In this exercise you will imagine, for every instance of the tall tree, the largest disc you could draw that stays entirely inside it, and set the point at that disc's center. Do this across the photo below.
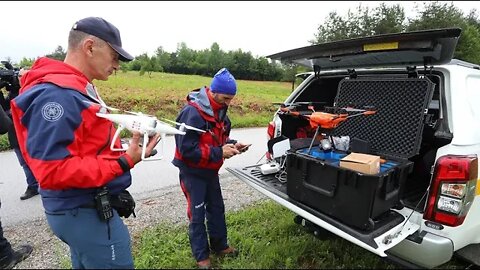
(388, 19)
(58, 54)
(434, 15)
(472, 19)
(215, 59)
(149, 65)
(185, 58)
(26, 62)
(164, 59)
(361, 22)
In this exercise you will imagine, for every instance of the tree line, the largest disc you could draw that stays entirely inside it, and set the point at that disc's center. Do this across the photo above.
(359, 22)
(385, 19)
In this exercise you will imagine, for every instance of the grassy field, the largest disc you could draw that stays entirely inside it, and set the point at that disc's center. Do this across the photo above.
(163, 95)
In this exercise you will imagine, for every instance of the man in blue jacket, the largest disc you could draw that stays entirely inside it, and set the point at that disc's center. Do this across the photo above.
(199, 157)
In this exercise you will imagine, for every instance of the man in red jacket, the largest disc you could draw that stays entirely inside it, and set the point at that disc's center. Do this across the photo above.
(66, 145)
(199, 156)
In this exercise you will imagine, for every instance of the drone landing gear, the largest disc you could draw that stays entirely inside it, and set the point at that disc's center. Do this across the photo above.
(326, 144)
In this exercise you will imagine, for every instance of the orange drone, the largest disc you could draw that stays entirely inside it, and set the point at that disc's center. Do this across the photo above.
(326, 120)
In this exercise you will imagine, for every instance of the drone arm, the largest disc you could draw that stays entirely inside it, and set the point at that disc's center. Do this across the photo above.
(290, 112)
(366, 113)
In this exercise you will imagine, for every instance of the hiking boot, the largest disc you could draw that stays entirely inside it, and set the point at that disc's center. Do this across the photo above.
(205, 264)
(228, 252)
(20, 254)
(29, 193)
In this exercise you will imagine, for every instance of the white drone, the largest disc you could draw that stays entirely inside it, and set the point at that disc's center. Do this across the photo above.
(149, 125)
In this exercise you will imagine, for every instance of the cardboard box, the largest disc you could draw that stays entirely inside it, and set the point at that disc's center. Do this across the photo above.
(368, 164)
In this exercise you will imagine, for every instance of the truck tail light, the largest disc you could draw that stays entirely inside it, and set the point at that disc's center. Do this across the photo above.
(270, 134)
(452, 189)
(270, 130)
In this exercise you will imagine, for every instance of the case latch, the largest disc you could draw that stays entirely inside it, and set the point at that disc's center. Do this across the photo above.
(352, 74)
(412, 72)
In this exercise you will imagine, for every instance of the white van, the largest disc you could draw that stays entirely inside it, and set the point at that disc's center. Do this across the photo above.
(422, 206)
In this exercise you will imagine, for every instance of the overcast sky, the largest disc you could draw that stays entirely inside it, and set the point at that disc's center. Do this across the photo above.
(31, 29)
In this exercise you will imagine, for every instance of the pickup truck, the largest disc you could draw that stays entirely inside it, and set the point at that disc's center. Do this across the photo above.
(423, 209)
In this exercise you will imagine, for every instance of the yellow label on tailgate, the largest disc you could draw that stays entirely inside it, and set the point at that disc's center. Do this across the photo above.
(380, 46)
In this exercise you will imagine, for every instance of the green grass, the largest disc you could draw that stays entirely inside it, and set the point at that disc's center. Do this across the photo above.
(4, 144)
(267, 238)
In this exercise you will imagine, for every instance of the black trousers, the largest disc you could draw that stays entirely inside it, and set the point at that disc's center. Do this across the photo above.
(5, 247)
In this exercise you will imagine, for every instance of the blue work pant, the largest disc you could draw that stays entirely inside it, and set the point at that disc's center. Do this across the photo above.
(31, 180)
(93, 243)
(204, 200)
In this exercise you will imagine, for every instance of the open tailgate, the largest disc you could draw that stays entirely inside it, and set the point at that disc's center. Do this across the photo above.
(386, 235)
(428, 47)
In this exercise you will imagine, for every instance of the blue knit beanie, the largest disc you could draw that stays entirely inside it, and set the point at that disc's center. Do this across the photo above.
(223, 83)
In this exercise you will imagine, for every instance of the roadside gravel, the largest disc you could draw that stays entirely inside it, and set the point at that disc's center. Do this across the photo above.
(167, 204)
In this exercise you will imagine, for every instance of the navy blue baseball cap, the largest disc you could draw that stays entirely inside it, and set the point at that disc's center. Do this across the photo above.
(104, 30)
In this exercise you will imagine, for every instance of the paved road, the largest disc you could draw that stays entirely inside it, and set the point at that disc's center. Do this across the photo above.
(147, 176)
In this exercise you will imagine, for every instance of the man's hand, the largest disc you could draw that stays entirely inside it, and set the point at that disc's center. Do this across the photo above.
(229, 150)
(241, 147)
(135, 150)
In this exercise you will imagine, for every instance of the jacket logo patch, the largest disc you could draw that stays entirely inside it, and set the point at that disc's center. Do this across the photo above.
(52, 111)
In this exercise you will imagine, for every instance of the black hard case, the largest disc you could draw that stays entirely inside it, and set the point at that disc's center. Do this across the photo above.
(356, 199)
(394, 132)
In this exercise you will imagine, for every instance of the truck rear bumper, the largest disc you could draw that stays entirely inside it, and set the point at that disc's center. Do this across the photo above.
(425, 250)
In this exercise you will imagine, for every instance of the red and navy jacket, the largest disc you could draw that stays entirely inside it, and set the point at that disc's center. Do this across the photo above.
(65, 144)
(202, 152)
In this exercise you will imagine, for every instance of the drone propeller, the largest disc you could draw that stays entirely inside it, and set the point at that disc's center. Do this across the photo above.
(365, 109)
(183, 126)
(350, 109)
